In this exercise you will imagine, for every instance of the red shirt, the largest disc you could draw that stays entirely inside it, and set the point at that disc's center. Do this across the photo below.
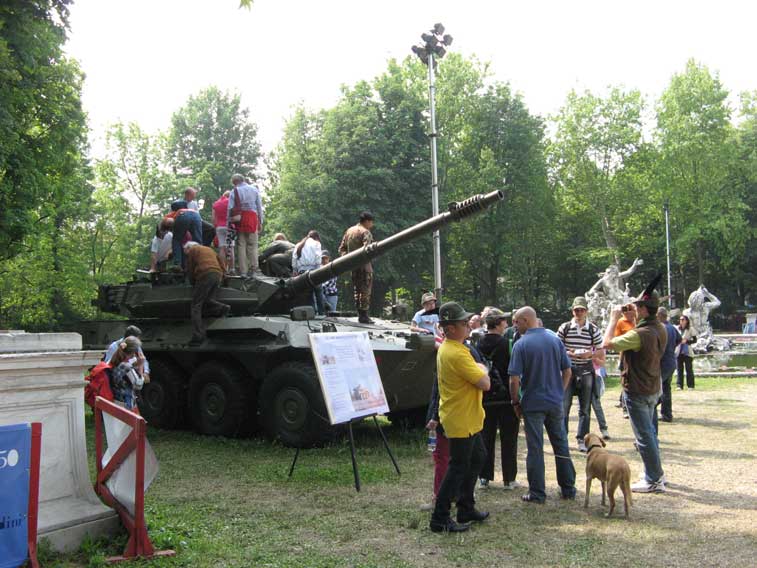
(221, 209)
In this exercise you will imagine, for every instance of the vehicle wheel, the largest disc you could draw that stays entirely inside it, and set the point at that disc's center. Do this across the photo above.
(218, 400)
(163, 401)
(292, 406)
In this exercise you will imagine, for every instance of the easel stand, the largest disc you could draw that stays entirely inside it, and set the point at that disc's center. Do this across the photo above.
(355, 471)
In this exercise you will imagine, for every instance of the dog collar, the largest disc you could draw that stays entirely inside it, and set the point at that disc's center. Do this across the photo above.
(592, 447)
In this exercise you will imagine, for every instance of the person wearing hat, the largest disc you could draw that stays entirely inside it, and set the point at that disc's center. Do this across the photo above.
(330, 288)
(462, 383)
(355, 238)
(642, 348)
(499, 413)
(426, 319)
(130, 331)
(583, 340)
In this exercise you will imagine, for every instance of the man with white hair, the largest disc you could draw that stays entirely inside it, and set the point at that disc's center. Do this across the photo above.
(249, 225)
(205, 271)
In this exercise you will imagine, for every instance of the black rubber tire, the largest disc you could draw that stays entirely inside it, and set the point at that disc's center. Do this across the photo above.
(218, 400)
(163, 401)
(292, 407)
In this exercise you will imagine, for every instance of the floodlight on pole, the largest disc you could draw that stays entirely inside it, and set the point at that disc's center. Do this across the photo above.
(433, 47)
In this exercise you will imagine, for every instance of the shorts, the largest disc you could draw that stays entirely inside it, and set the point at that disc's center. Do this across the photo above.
(222, 233)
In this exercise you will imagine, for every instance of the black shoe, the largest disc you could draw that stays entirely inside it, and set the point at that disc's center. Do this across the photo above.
(448, 526)
(363, 317)
(197, 339)
(472, 516)
(568, 497)
(666, 418)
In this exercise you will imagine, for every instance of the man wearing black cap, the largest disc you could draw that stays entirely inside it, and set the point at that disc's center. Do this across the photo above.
(642, 349)
(462, 382)
(355, 238)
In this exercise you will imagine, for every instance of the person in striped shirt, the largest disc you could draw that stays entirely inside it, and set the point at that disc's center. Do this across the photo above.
(583, 340)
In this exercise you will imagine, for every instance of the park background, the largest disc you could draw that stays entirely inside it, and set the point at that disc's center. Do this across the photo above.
(585, 185)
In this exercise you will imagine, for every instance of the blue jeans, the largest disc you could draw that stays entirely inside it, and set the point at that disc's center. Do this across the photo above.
(535, 423)
(582, 382)
(187, 221)
(642, 412)
(331, 302)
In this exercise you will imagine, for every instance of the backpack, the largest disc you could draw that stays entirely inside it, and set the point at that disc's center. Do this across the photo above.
(499, 386)
(98, 384)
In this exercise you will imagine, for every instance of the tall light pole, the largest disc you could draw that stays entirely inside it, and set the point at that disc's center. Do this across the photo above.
(434, 47)
(666, 206)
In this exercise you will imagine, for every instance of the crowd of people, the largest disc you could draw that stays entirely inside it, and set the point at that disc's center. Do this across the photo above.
(207, 252)
(491, 377)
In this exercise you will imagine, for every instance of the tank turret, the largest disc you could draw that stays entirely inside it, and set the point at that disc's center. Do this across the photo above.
(168, 295)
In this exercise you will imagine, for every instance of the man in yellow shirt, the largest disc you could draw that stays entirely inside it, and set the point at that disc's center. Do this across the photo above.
(461, 385)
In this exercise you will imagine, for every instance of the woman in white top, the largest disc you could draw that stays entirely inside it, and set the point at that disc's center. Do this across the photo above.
(307, 256)
(160, 248)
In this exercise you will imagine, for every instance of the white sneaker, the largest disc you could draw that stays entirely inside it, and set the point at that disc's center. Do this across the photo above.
(643, 486)
(605, 434)
(512, 485)
(483, 483)
(427, 506)
(582, 447)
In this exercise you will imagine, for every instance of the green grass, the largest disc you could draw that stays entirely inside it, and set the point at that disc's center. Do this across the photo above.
(221, 502)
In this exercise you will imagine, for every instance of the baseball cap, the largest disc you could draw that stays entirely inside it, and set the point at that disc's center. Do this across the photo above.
(452, 311)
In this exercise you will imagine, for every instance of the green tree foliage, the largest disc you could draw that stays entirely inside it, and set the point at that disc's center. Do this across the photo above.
(372, 151)
(697, 156)
(595, 137)
(42, 126)
(211, 138)
(44, 188)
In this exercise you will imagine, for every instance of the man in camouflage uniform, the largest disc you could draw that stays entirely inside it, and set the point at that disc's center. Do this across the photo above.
(355, 238)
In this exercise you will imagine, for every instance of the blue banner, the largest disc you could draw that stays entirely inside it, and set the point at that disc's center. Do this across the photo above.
(15, 463)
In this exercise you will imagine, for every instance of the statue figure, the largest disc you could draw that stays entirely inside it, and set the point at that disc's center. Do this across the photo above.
(701, 303)
(611, 289)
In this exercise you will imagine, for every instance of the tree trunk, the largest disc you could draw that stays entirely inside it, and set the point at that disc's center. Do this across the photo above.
(700, 262)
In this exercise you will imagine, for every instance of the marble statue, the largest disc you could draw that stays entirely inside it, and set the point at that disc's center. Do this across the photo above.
(610, 290)
(701, 303)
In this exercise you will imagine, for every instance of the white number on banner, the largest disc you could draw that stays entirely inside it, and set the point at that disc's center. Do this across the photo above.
(8, 458)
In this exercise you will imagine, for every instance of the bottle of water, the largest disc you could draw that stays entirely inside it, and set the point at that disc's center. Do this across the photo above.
(432, 440)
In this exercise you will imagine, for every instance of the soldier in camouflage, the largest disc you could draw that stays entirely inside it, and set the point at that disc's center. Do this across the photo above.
(355, 238)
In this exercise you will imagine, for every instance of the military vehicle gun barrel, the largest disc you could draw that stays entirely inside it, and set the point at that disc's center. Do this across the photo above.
(351, 261)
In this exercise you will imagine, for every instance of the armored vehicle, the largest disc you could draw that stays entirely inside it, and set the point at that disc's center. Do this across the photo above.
(255, 368)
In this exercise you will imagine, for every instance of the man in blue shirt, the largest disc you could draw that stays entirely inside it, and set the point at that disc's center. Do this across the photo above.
(539, 373)
(668, 365)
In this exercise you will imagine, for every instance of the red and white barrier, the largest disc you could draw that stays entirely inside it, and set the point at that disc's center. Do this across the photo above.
(132, 516)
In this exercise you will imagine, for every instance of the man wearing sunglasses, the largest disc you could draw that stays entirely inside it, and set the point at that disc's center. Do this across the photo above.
(582, 340)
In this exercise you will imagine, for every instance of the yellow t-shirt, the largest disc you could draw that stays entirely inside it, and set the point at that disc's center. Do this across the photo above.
(460, 409)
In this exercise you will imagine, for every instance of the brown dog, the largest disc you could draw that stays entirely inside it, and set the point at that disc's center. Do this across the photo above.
(612, 471)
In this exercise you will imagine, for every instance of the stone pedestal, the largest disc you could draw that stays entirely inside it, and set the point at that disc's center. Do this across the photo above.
(41, 380)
